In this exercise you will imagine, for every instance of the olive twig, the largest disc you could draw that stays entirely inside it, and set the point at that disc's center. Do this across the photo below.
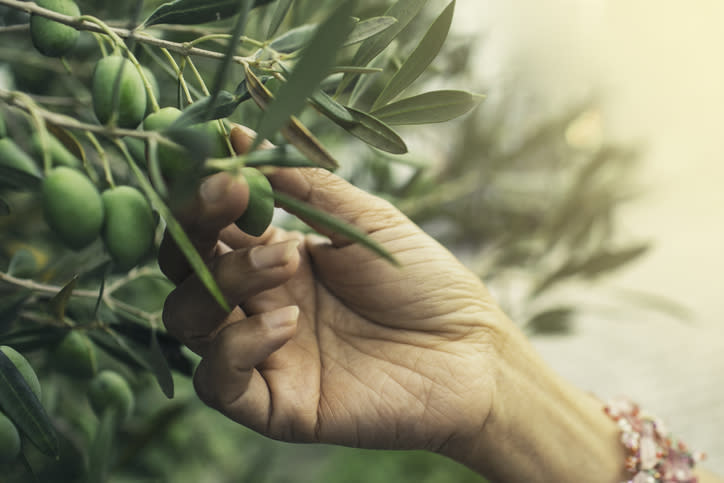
(179, 74)
(82, 24)
(104, 159)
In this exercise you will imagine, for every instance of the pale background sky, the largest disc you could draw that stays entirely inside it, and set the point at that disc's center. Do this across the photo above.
(660, 66)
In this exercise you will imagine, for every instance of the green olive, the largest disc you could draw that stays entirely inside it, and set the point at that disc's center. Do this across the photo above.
(109, 390)
(58, 152)
(9, 440)
(129, 225)
(72, 207)
(260, 210)
(131, 96)
(52, 38)
(12, 156)
(24, 367)
(76, 355)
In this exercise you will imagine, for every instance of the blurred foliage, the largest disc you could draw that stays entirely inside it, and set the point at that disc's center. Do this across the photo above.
(530, 206)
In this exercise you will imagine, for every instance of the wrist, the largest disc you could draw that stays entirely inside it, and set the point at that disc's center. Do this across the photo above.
(541, 428)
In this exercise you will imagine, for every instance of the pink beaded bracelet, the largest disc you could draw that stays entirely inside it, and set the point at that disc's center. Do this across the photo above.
(654, 456)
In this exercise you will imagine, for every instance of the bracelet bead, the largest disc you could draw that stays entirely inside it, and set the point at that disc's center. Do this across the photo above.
(654, 455)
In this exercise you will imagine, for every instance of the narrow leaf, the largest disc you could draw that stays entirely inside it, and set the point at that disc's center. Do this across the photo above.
(294, 39)
(280, 13)
(331, 108)
(4, 207)
(420, 58)
(286, 156)
(194, 12)
(19, 403)
(552, 321)
(404, 11)
(10, 306)
(313, 66)
(294, 131)
(159, 367)
(178, 234)
(202, 110)
(375, 132)
(431, 107)
(316, 217)
(99, 453)
(60, 301)
(368, 28)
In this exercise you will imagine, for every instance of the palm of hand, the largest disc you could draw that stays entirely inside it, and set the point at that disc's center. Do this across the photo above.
(377, 365)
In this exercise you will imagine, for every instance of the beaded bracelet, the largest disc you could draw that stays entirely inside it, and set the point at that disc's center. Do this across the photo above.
(654, 456)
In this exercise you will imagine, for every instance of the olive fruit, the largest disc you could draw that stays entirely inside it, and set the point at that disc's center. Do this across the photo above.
(129, 225)
(9, 440)
(52, 38)
(72, 206)
(260, 209)
(24, 367)
(75, 355)
(109, 390)
(13, 157)
(58, 152)
(131, 97)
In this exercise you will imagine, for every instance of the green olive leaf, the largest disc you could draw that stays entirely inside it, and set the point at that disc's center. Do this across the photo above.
(427, 108)
(208, 109)
(99, 453)
(29, 340)
(551, 321)
(194, 12)
(404, 11)
(280, 13)
(294, 39)
(311, 69)
(420, 59)
(331, 108)
(159, 366)
(313, 216)
(59, 302)
(4, 207)
(10, 305)
(283, 156)
(368, 28)
(294, 131)
(374, 132)
(19, 403)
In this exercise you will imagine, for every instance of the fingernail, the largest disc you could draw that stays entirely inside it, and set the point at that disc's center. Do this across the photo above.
(268, 256)
(281, 318)
(214, 188)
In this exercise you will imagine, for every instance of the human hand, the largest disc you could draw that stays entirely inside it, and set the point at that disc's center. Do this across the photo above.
(327, 342)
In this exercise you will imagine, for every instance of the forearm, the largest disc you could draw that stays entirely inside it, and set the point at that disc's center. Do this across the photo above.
(544, 429)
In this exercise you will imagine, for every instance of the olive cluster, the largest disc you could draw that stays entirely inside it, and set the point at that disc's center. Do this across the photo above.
(74, 207)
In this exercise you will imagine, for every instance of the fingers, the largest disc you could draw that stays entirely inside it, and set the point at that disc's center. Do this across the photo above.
(226, 379)
(327, 192)
(219, 202)
(192, 315)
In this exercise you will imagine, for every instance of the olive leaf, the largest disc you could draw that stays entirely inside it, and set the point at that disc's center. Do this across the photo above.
(404, 11)
(99, 454)
(10, 306)
(420, 59)
(294, 39)
(316, 60)
(294, 131)
(374, 132)
(285, 155)
(311, 215)
(331, 108)
(280, 13)
(208, 109)
(19, 403)
(59, 302)
(159, 366)
(551, 321)
(4, 207)
(33, 339)
(368, 28)
(194, 12)
(430, 107)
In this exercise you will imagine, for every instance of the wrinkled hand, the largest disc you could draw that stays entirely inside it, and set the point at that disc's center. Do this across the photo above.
(328, 342)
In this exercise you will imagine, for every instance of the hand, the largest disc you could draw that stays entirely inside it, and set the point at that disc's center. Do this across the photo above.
(327, 342)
